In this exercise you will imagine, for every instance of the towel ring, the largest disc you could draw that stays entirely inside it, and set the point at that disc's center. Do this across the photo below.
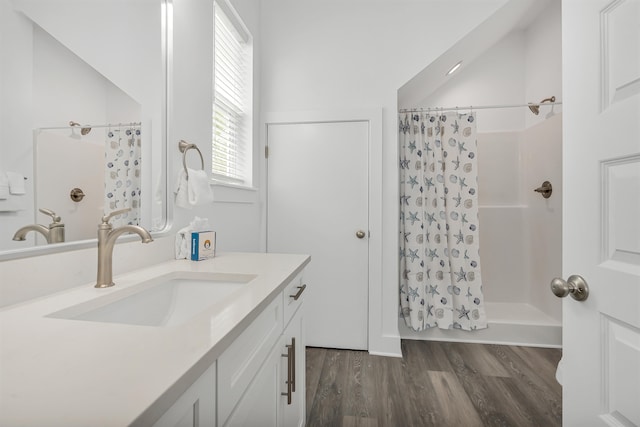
(184, 146)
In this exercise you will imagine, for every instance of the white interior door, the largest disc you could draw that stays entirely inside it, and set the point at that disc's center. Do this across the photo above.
(317, 202)
(601, 212)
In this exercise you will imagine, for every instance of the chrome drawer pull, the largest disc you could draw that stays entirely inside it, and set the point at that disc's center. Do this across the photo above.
(300, 291)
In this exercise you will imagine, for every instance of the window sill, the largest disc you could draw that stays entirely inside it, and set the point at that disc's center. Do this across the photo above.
(224, 192)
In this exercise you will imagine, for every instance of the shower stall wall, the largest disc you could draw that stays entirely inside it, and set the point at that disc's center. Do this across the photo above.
(520, 238)
(520, 231)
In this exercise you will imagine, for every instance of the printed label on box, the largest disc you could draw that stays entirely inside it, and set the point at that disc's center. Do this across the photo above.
(203, 245)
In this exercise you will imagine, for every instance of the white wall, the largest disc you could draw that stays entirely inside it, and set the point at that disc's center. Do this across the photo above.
(543, 61)
(520, 233)
(541, 160)
(502, 219)
(67, 88)
(16, 93)
(336, 55)
(541, 155)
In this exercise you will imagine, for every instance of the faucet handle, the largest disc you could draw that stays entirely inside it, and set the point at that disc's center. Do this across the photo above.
(107, 218)
(51, 213)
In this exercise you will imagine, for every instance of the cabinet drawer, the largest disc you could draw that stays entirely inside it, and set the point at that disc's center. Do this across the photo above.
(293, 295)
(242, 360)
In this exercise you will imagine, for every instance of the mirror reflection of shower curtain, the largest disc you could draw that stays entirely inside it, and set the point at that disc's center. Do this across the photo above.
(440, 281)
(122, 173)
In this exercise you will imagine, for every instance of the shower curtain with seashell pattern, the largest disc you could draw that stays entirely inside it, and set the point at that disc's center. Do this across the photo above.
(440, 281)
(122, 179)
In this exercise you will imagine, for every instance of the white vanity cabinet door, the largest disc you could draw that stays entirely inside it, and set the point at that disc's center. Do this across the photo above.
(196, 407)
(265, 402)
(241, 361)
(259, 405)
(294, 414)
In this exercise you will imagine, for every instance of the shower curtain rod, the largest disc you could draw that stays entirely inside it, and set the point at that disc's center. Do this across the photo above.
(92, 126)
(470, 107)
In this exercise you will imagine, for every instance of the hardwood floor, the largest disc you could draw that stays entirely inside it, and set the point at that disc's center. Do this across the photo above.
(434, 384)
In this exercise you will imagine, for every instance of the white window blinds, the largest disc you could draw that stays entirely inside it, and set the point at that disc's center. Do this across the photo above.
(229, 149)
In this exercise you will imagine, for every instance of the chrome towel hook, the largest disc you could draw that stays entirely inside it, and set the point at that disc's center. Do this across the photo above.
(184, 146)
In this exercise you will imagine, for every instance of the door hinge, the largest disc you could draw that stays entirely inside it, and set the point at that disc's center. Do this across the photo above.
(266, 152)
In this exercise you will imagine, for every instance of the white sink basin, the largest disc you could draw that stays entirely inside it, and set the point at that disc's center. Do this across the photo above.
(164, 301)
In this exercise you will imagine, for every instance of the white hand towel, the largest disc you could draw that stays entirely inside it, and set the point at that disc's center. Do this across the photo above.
(182, 192)
(16, 183)
(200, 192)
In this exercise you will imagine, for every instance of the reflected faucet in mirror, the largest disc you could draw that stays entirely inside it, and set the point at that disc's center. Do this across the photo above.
(54, 233)
(107, 236)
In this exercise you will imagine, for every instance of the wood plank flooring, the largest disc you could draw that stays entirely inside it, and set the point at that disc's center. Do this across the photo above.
(434, 384)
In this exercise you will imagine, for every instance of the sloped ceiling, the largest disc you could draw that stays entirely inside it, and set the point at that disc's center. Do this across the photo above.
(514, 15)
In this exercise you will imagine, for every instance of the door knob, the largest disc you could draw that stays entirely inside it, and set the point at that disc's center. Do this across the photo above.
(360, 234)
(575, 285)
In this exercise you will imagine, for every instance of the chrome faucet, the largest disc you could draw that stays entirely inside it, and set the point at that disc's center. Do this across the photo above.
(107, 236)
(54, 233)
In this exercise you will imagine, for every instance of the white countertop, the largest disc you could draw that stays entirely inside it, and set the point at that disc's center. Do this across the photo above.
(58, 372)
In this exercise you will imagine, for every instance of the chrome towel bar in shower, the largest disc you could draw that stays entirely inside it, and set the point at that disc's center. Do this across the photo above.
(184, 146)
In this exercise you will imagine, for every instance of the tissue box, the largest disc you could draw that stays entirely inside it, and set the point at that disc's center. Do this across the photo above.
(203, 245)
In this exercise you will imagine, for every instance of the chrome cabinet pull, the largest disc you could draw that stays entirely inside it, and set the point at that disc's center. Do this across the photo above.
(289, 381)
(300, 291)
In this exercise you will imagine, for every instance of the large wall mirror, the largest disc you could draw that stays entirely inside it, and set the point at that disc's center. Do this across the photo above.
(83, 119)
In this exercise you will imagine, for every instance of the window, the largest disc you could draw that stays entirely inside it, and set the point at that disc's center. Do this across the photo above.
(232, 100)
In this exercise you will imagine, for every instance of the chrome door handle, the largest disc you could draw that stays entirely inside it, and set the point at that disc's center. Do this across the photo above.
(574, 285)
(360, 234)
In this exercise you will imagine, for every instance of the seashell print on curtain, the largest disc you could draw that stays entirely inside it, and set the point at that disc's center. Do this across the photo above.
(440, 281)
(122, 173)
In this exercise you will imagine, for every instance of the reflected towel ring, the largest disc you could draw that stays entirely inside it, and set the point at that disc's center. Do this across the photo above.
(184, 146)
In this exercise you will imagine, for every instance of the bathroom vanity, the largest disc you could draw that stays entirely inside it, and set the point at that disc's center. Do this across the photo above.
(216, 342)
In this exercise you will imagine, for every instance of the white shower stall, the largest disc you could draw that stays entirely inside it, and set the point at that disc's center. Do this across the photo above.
(520, 231)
